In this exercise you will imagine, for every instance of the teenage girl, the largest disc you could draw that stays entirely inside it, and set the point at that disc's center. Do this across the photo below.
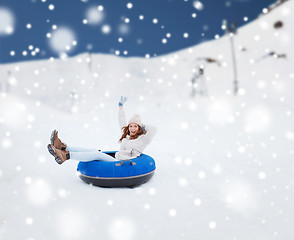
(135, 137)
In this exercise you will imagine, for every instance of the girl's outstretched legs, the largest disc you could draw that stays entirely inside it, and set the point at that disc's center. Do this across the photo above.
(80, 149)
(86, 155)
(63, 152)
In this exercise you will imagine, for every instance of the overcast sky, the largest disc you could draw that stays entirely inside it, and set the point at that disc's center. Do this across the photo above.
(40, 29)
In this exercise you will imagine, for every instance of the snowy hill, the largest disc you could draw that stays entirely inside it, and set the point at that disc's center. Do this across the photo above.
(224, 163)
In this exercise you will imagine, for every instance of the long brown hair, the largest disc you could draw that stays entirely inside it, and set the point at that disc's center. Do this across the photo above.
(127, 132)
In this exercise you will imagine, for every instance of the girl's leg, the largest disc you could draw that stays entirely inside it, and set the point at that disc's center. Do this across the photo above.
(80, 149)
(91, 156)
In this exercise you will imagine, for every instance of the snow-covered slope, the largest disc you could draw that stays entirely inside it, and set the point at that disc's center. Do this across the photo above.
(224, 162)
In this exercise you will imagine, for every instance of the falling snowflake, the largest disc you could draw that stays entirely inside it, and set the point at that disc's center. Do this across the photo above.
(106, 29)
(94, 17)
(61, 39)
(172, 212)
(7, 21)
(129, 5)
(51, 7)
(198, 5)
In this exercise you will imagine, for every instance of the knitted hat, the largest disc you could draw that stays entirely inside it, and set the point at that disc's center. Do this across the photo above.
(136, 119)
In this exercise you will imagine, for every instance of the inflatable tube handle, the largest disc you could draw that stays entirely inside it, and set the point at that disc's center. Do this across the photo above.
(122, 162)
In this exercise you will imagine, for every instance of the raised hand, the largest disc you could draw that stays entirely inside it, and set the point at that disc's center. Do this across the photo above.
(122, 101)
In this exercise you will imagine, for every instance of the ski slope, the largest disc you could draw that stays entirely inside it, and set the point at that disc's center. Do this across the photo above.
(224, 163)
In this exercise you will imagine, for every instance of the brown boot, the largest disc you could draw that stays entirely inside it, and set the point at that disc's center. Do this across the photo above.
(60, 155)
(56, 142)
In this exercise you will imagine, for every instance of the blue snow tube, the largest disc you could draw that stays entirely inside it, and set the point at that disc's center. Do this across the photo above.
(118, 173)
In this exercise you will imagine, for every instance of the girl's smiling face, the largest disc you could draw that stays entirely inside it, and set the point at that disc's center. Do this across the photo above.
(133, 128)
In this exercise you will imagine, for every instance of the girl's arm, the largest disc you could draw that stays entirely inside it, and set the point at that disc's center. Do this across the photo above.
(121, 113)
(150, 133)
(121, 118)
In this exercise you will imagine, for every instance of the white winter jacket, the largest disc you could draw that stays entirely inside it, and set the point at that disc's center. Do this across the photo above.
(133, 148)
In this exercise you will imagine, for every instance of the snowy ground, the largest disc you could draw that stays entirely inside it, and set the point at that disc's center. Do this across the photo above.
(224, 163)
